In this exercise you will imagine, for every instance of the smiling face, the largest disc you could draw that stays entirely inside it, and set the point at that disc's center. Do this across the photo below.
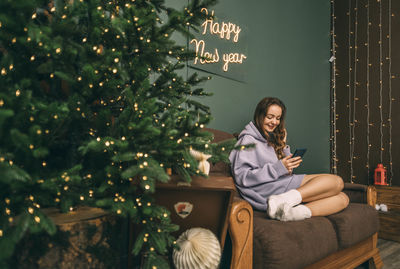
(273, 118)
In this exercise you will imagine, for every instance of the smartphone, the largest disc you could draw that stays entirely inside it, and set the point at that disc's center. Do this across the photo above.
(299, 153)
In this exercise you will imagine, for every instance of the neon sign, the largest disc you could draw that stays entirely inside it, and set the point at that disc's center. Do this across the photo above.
(226, 31)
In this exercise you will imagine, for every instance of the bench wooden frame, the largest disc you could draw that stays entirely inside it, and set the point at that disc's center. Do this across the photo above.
(241, 232)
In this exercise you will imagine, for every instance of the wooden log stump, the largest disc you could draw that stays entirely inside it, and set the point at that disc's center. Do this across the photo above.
(86, 238)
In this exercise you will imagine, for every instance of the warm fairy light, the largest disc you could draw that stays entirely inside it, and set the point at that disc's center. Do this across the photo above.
(31, 146)
(116, 60)
(51, 75)
(147, 187)
(114, 70)
(30, 210)
(44, 164)
(17, 93)
(64, 16)
(37, 219)
(34, 16)
(32, 58)
(58, 50)
(3, 71)
(82, 198)
(84, 39)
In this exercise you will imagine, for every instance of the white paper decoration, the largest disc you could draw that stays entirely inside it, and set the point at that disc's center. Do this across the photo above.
(204, 165)
(199, 249)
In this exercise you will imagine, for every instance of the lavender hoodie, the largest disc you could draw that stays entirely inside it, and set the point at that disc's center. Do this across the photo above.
(257, 171)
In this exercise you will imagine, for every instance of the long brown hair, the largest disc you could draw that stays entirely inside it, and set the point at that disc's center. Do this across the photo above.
(279, 133)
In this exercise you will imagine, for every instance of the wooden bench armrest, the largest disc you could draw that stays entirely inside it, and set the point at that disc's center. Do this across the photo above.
(241, 232)
(371, 195)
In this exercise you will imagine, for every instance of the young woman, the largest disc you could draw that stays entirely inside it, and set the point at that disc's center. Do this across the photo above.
(264, 174)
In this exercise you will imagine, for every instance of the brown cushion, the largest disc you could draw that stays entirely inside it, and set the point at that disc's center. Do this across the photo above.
(219, 135)
(357, 193)
(220, 167)
(355, 223)
(294, 244)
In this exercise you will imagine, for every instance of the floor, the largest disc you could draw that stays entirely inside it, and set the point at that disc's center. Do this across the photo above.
(390, 253)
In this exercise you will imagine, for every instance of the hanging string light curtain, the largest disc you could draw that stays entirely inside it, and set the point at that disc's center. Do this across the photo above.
(362, 83)
(333, 92)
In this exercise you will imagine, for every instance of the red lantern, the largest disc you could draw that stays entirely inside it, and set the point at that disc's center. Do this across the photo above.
(380, 176)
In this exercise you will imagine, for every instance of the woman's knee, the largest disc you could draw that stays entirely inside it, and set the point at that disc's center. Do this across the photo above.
(338, 182)
(344, 199)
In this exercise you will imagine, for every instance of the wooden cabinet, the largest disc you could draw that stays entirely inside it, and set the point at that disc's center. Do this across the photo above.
(203, 203)
(389, 228)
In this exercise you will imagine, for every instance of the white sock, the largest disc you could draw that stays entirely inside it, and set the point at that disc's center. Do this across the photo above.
(299, 212)
(292, 198)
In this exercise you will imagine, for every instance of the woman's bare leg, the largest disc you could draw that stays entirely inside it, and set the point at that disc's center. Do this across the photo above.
(320, 186)
(329, 205)
(321, 196)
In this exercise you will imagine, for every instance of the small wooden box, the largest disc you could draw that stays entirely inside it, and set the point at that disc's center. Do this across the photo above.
(389, 227)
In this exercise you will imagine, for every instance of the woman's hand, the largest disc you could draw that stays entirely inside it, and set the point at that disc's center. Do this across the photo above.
(291, 163)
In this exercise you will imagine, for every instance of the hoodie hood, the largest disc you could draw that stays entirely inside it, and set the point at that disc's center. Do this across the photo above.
(252, 130)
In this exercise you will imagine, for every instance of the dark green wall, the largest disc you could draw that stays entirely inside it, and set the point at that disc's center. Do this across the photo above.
(288, 51)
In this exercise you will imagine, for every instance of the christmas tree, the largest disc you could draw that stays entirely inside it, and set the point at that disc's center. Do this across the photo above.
(93, 112)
